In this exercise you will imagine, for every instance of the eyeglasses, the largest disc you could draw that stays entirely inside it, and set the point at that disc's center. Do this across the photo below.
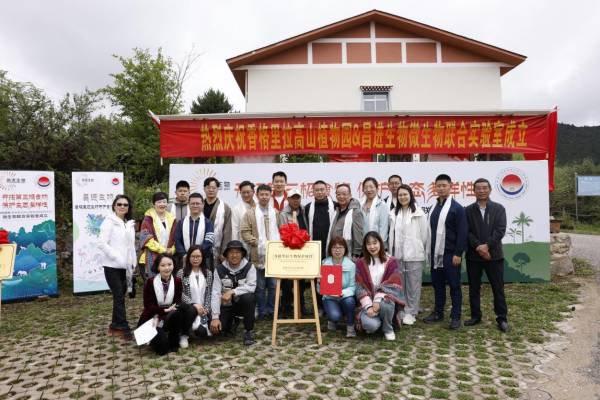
(338, 248)
(122, 205)
(195, 256)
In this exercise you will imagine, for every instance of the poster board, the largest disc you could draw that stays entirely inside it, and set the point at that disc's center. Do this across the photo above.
(27, 213)
(93, 194)
(283, 262)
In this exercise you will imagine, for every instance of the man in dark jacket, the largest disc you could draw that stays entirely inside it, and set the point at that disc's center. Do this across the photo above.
(487, 226)
(448, 240)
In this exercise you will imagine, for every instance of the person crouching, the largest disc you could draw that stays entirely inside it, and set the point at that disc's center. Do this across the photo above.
(234, 283)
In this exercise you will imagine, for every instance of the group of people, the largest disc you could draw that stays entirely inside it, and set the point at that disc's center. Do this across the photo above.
(203, 261)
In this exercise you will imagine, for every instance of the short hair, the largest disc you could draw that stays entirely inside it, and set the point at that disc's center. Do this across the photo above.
(184, 184)
(246, 183)
(263, 187)
(343, 185)
(337, 240)
(411, 202)
(482, 180)
(196, 195)
(320, 182)
(366, 255)
(210, 179)
(279, 173)
(129, 213)
(158, 259)
(158, 196)
(395, 176)
(371, 179)
(443, 177)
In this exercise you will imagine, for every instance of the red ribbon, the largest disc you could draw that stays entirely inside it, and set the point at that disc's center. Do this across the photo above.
(4, 237)
(292, 236)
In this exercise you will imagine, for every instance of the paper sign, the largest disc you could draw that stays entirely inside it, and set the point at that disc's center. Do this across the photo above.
(7, 260)
(331, 280)
(145, 332)
(283, 262)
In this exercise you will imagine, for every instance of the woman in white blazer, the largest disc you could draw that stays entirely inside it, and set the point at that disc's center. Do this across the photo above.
(407, 242)
(117, 243)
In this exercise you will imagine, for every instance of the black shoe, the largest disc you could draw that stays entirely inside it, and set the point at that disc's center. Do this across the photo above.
(433, 317)
(472, 321)
(503, 326)
(248, 338)
(454, 324)
(235, 324)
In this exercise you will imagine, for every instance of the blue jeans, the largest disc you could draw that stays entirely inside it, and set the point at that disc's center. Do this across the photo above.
(335, 307)
(265, 293)
(383, 320)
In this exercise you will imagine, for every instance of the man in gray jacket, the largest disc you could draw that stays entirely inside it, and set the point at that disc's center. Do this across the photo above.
(234, 283)
(487, 226)
(348, 220)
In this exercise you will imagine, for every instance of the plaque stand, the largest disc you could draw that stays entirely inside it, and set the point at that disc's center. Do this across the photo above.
(297, 319)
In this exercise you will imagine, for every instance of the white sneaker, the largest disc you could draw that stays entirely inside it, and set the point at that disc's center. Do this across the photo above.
(350, 331)
(389, 335)
(408, 319)
(183, 342)
(331, 326)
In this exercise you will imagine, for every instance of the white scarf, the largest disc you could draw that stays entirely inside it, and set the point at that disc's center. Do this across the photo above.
(373, 214)
(396, 236)
(162, 299)
(440, 236)
(186, 231)
(197, 287)
(163, 233)
(219, 222)
(347, 230)
(262, 234)
(311, 214)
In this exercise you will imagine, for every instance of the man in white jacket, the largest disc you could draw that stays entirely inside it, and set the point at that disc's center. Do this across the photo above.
(237, 212)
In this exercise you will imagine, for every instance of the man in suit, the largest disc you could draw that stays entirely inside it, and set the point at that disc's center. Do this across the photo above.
(448, 238)
(487, 226)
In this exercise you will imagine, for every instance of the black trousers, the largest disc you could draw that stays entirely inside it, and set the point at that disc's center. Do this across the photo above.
(451, 275)
(167, 338)
(242, 307)
(495, 274)
(116, 279)
(287, 295)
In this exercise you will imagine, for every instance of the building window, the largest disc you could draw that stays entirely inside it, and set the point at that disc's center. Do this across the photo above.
(375, 101)
(375, 98)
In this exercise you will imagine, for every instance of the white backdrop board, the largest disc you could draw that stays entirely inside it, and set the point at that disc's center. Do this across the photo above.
(27, 213)
(93, 194)
(521, 186)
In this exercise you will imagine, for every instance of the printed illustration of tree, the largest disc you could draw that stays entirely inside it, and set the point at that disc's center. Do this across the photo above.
(513, 233)
(521, 259)
(522, 220)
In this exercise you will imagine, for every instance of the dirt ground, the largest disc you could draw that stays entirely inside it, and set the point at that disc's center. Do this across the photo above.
(569, 365)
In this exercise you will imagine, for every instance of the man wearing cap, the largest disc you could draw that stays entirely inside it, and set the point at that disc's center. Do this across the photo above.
(293, 214)
(234, 283)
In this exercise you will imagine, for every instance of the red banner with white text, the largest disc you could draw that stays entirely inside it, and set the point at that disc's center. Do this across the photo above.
(356, 135)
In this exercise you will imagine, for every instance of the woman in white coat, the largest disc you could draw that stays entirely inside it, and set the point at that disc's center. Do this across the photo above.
(407, 242)
(117, 243)
(375, 211)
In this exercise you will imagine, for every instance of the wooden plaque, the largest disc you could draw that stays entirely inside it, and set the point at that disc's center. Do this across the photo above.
(283, 262)
(7, 260)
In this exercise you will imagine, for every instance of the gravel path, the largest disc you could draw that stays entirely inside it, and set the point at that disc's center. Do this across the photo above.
(572, 368)
(586, 247)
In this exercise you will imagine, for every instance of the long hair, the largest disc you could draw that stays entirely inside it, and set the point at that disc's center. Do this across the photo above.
(187, 268)
(129, 213)
(366, 255)
(157, 261)
(411, 203)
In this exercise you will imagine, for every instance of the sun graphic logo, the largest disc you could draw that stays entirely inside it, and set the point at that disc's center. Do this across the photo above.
(197, 181)
(512, 183)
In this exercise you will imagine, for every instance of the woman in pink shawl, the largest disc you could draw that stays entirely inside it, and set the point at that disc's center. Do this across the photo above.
(378, 288)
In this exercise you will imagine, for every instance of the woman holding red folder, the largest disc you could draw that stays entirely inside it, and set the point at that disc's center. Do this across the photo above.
(343, 304)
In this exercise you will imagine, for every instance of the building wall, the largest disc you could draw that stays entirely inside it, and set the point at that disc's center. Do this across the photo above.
(337, 88)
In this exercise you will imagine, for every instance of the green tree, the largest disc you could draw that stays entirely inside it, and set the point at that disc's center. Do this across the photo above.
(211, 102)
(146, 82)
(522, 220)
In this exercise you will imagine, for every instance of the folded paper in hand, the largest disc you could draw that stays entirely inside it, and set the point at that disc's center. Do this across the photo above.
(145, 332)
